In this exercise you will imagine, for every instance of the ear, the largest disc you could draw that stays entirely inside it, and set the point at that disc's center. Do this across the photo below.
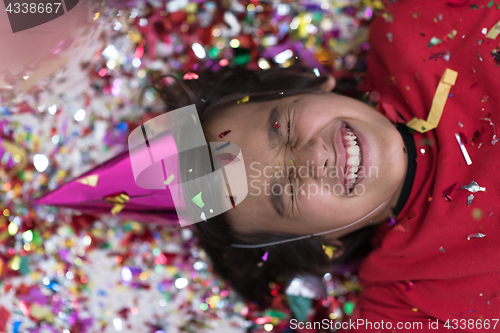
(329, 85)
(333, 248)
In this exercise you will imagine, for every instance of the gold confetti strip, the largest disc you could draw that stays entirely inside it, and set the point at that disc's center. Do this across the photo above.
(243, 100)
(117, 208)
(89, 180)
(291, 162)
(118, 201)
(440, 97)
(494, 31)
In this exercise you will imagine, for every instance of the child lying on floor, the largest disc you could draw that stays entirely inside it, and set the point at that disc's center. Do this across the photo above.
(436, 258)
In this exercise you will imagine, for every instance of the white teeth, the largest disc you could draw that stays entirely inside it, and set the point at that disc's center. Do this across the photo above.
(351, 142)
(352, 169)
(353, 150)
(351, 176)
(349, 137)
(353, 181)
(353, 161)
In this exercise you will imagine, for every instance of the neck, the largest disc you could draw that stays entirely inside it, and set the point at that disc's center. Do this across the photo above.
(387, 212)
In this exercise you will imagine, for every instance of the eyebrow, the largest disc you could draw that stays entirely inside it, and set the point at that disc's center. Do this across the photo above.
(273, 137)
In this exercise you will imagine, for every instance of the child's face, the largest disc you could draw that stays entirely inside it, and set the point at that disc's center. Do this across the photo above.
(318, 181)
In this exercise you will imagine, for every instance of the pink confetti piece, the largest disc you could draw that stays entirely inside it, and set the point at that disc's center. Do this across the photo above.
(228, 158)
(264, 257)
(447, 192)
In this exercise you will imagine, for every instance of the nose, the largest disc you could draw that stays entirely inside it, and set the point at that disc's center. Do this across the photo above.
(313, 159)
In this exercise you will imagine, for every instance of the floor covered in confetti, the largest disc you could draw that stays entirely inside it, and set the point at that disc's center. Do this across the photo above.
(62, 270)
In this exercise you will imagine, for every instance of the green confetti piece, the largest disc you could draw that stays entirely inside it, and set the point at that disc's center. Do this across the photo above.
(198, 201)
(300, 306)
(241, 56)
(169, 179)
(214, 53)
(275, 313)
(37, 239)
(24, 267)
(490, 4)
(349, 308)
(474, 6)
(498, 6)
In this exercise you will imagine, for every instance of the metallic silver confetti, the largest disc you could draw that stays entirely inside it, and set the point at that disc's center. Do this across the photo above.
(494, 139)
(474, 187)
(464, 150)
(460, 124)
(478, 235)
(469, 199)
(442, 249)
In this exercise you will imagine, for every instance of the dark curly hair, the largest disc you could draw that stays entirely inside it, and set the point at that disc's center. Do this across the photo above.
(211, 92)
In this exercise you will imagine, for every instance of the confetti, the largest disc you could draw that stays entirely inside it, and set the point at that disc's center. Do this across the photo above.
(227, 158)
(478, 235)
(474, 187)
(169, 179)
(329, 250)
(89, 180)
(276, 125)
(198, 201)
(243, 100)
(436, 56)
(190, 76)
(391, 221)
(494, 139)
(442, 249)
(223, 134)
(118, 201)
(494, 31)
(291, 162)
(477, 213)
(434, 41)
(221, 147)
(469, 199)
(233, 201)
(463, 149)
(264, 257)
(410, 286)
(448, 79)
(447, 192)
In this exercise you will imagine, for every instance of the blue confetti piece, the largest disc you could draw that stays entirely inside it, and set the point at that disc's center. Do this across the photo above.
(16, 326)
(5, 111)
(123, 126)
(223, 146)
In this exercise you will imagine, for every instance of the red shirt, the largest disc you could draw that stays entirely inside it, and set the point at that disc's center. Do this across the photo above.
(426, 268)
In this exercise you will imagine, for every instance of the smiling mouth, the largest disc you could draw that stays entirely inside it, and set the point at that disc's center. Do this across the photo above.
(353, 158)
